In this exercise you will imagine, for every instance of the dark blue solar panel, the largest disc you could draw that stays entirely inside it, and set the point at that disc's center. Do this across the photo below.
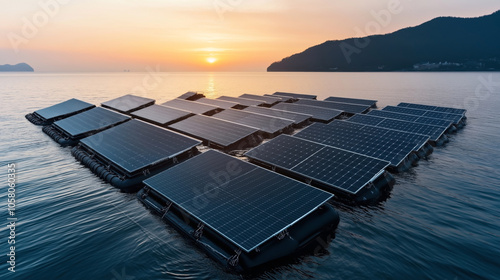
(265, 124)
(244, 203)
(242, 101)
(339, 169)
(91, 121)
(371, 103)
(433, 108)
(220, 132)
(161, 115)
(135, 145)
(410, 118)
(267, 99)
(190, 106)
(424, 113)
(219, 103)
(64, 109)
(317, 113)
(348, 108)
(381, 143)
(128, 103)
(364, 119)
(296, 117)
(295, 95)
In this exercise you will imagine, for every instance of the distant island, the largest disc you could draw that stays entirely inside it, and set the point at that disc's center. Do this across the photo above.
(441, 44)
(21, 67)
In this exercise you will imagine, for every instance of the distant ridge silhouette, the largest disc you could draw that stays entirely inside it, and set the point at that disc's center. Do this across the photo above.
(441, 44)
(21, 67)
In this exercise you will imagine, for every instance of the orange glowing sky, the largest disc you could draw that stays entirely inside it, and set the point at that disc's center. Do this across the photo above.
(197, 35)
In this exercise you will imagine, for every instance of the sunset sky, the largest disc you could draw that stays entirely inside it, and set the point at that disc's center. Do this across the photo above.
(198, 35)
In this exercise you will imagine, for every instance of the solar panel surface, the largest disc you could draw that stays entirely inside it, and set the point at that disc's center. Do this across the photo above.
(216, 102)
(317, 113)
(424, 113)
(250, 207)
(218, 131)
(266, 124)
(135, 145)
(62, 109)
(269, 100)
(295, 95)
(190, 106)
(368, 102)
(296, 117)
(433, 108)
(161, 115)
(242, 101)
(410, 118)
(340, 169)
(128, 103)
(348, 108)
(90, 121)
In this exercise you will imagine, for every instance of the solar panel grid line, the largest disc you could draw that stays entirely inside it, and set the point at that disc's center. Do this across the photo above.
(239, 198)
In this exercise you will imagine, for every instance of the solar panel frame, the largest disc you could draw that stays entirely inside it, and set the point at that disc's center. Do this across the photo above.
(213, 130)
(219, 103)
(128, 103)
(338, 99)
(192, 106)
(239, 225)
(433, 108)
(300, 156)
(296, 117)
(111, 145)
(269, 100)
(266, 124)
(64, 109)
(161, 115)
(346, 107)
(242, 101)
(89, 122)
(295, 95)
(318, 113)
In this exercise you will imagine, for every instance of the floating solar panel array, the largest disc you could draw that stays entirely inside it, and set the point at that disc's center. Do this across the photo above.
(434, 132)
(268, 126)
(317, 113)
(433, 108)
(269, 100)
(191, 95)
(456, 119)
(128, 103)
(132, 149)
(243, 101)
(70, 130)
(331, 168)
(161, 115)
(298, 119)
(295, 95)
(217, 133)
(193, 107)
(345, 107)
(219, 103)
(410, 118)
(58, 111)
(371, 103)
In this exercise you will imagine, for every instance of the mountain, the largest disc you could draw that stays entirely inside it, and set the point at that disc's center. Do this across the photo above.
(441, 44)
(21, 67)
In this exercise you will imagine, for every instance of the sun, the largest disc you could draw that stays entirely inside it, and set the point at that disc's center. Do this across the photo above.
(211, 60)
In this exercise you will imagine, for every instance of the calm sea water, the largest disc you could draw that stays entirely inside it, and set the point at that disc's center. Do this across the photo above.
(441, 221)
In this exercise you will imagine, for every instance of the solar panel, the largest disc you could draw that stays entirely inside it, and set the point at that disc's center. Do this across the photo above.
(371, 103)
(219, 103)
(296, 117)
(191, 95)
(339, 169)
(433, 108)
(317, 113)
(128, 103)
(410, 118)
(424, 113)
(266, 124)
(242, 101)
(269, 100)
(381, 143)
(348, 108)
(295, 95)
(193, 107)
(91, 121)
(434, 132)
(63, 109)
(136, 145)
(282, 98)
(251, 205)
(219, 132)
(161, 115)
